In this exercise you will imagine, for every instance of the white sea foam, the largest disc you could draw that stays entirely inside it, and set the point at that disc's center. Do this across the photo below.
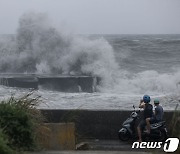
(149, 82)
(40, 48)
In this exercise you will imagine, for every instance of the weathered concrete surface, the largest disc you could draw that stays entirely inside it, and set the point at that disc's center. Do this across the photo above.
(116, 145)
(95, 124)
(65, 84)
(88, 152)
(22, 82)
(50, 82)
(87, 84)
(69, 83)
(57, 136)
(111, 145)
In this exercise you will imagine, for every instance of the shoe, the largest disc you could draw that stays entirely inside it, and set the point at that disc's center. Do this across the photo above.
(147, 132)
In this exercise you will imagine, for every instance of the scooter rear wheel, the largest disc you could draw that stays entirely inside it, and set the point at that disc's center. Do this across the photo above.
(163, 135)
(160, 136)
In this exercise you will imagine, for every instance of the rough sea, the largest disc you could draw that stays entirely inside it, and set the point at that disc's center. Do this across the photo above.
(129, 65)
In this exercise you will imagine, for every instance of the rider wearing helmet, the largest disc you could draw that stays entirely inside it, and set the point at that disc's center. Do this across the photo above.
(158, 115)
(148, 113)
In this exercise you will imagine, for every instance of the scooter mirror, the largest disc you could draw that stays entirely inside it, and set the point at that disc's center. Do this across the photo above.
(133, 106)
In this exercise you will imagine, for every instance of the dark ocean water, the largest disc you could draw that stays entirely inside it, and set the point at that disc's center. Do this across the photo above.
(147, 64)
(137, 53)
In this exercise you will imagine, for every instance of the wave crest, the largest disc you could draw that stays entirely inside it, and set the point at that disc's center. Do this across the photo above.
(40, 48)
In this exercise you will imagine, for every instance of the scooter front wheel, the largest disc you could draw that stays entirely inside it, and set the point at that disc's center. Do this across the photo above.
(124, 134)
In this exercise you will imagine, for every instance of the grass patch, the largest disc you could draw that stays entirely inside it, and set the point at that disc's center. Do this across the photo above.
(175, 125)
(4, 148)
(19, 122)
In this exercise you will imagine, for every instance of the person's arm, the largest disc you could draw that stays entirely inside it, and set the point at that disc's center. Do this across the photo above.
(141, 104)
(155, 111)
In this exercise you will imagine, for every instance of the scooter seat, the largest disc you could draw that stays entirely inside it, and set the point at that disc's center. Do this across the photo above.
(158, 124)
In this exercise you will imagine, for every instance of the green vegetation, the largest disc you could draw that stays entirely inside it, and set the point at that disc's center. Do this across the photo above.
(175, 125)
(19, 122)
(4, 148)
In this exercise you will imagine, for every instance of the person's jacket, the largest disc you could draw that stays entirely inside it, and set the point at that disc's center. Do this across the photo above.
(148, 111)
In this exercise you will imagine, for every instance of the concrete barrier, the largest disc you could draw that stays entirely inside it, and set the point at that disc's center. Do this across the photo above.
(87, 84)
(95, 124)
(57, 136)
(65, 84)
(21, 82)
(50, 82)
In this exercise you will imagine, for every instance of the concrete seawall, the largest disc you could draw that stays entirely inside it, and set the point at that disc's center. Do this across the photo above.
(95, 124)
(50, 82)
(22, 82)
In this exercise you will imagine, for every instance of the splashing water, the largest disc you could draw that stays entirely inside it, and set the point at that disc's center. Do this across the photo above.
(40, 48)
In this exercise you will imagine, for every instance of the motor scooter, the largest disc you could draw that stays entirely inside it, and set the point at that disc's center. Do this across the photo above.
(158, 131)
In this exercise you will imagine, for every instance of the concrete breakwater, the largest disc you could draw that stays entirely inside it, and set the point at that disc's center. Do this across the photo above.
(93, 124)
(51, 82)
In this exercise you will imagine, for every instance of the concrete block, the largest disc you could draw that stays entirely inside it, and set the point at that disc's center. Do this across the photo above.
(87, 84)
(22, 82)
(64, 84)
(50, 82)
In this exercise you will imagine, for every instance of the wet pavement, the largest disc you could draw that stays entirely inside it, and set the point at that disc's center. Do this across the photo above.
(96, 146)
(89, 152)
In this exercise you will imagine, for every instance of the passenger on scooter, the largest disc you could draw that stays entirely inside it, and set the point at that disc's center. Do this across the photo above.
(157, 117)
(148, 113)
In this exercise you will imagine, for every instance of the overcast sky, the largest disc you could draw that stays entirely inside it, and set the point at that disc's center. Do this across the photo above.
(98, 16)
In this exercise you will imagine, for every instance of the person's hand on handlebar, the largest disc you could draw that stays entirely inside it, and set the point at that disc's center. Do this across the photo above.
(141, 104)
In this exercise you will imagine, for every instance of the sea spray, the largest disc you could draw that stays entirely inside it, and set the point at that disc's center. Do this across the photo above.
(148, 82)
(40, 48)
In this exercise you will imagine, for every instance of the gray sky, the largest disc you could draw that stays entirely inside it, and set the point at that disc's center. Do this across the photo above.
(98, 16)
